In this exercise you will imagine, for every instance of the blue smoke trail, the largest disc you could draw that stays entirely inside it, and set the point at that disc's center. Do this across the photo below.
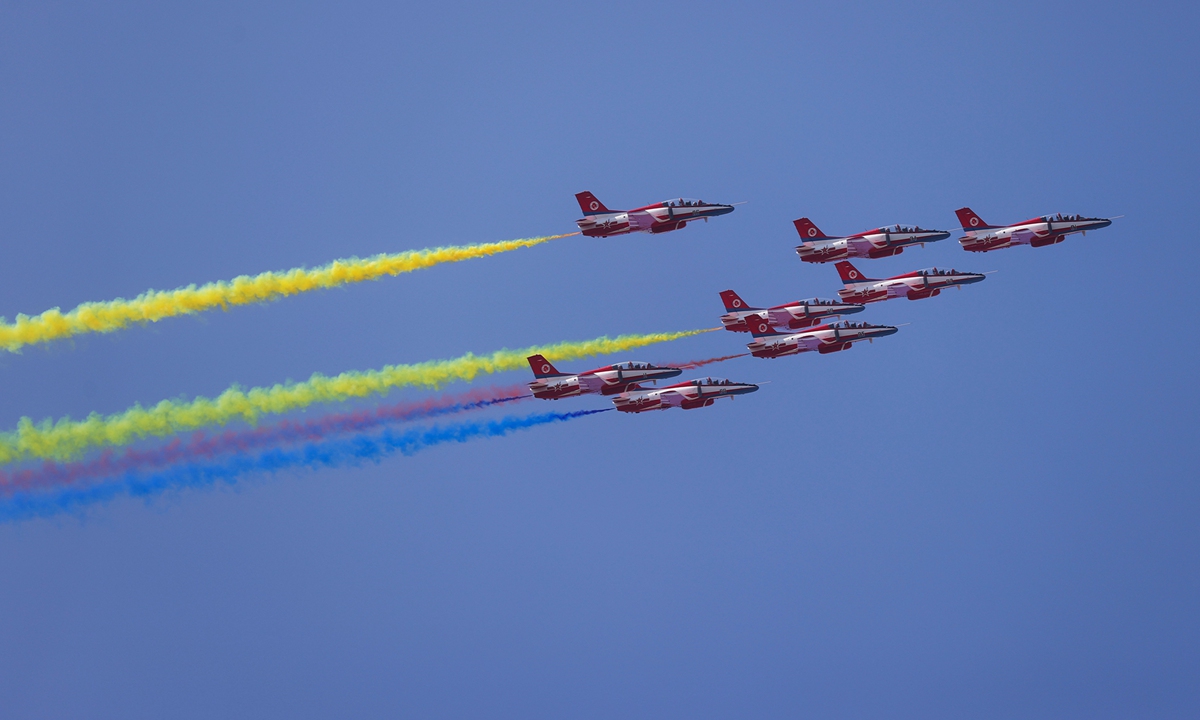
(206, 447)
(325, 454)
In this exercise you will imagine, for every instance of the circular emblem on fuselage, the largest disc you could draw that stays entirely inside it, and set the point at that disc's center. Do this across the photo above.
(853, 274)
(762, 327)
(974, 222)
(595, 205)
(546, 368)
(737, 303)
(812, 232)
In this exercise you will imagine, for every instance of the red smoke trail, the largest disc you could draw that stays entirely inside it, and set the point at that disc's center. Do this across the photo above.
(701, 363)
(201, 445)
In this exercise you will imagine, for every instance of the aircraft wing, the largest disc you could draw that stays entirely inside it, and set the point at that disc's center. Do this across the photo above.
(1024, 236)
(810, 342)
(640, 221)
(862, 245)
(779, 317)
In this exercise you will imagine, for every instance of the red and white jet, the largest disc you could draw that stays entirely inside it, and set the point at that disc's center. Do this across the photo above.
(550, 384)
(1038, 232)
(817, 247)
(793, 315)
(914, 285)
(770, 343)
(599, 221)
(687, 395)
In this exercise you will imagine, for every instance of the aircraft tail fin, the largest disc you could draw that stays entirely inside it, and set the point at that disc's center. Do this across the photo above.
(589, 204)
(733, 303)
(969, 220)
(850, 274)
(760, 326)
(808, 231)
(541, 367)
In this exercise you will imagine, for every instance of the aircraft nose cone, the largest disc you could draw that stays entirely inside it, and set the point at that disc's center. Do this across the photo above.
(1103, 224)
(672, 372)
(851, 309)
(723, 210)
(970, 279)
(883, 331)
(937, 236)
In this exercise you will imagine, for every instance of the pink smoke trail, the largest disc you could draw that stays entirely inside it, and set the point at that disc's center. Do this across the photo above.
(701, 363)
(203, 446)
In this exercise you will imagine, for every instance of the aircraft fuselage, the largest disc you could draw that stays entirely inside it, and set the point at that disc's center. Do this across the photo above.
(688, 395)
(873, 244)
(823, 339)
(914, 286)
(657, 218)
(608, 380)
(800, 314)
(1038, 232)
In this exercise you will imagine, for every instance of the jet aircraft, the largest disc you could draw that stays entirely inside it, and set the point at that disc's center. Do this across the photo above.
(687, 395)
(770, 343)
(817, 247)
(599, 221)
(1038, 232)
(914, 285)
(793, 315)
(550, 384)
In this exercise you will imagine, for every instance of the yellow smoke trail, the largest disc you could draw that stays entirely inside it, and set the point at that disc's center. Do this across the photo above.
(67, 439)
(154, 305)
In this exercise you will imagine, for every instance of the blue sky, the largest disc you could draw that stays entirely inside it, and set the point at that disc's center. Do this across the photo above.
(990, 514)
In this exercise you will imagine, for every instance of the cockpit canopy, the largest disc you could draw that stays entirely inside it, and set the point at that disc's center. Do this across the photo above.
(906, 229)
(683, 202)
(937, 271)
(818, 301)
(712, 381)
(632, 366)
(1065, 218)
(857, 325)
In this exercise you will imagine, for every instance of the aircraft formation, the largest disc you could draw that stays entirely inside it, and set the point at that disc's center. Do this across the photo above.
(61, 474)
(794, 327)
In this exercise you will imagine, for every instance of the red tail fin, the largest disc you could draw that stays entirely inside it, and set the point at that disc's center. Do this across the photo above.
(733, 303)
(760, 326)
(969, 220)
(589, 204)
(850, 274)
(541, 367)
(808, 231)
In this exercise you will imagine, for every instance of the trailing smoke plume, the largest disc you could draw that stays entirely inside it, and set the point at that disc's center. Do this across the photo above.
(154, 305)
(341, 452)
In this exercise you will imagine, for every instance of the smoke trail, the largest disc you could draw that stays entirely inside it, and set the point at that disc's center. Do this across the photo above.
(328, 454)
(154, 305)
(286, 432)
(67, 439)
(701, 363)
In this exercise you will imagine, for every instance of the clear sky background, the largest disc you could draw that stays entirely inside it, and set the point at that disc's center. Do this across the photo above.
(991, 514)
